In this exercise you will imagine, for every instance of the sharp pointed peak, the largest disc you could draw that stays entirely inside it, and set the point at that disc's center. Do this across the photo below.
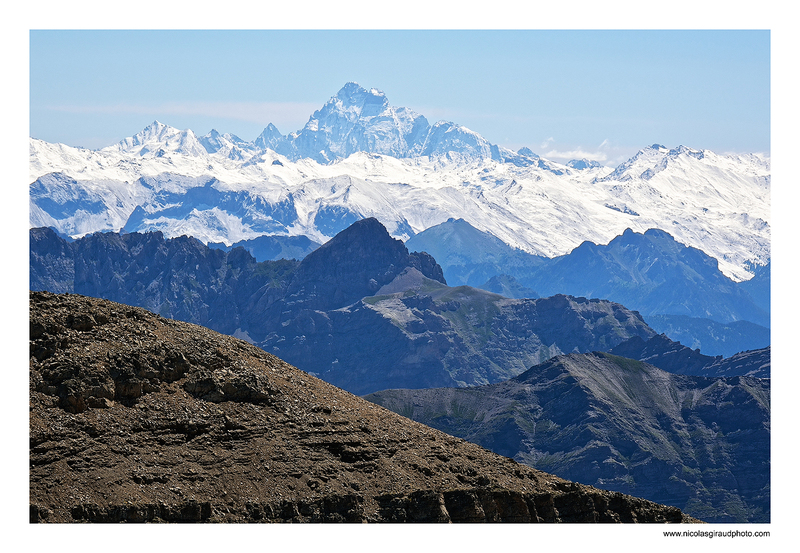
(156, 124)
(353, 89)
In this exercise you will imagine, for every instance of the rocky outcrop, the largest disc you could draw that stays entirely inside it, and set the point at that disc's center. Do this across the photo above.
(139, 418)
(698, 443)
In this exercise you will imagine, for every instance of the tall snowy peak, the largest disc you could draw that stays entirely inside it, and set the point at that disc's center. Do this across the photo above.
(361, 120)
(158, 139)
(357, 120)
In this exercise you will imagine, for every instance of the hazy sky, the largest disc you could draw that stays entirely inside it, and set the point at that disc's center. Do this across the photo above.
(564, 94)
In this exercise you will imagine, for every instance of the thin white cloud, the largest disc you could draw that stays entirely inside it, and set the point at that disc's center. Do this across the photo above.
(576, 154)
(279, 113)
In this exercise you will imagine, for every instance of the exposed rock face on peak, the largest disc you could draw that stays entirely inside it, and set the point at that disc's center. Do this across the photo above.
(354, 120)
(701, 444)
(138, 418)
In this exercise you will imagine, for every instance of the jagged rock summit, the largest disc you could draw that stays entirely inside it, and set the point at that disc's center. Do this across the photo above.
(139, 418)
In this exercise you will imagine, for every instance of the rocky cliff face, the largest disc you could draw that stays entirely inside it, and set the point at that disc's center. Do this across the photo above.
(139, 418)
(698, 443)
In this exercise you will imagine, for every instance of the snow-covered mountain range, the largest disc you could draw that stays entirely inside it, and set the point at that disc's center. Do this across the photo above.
(359, 157)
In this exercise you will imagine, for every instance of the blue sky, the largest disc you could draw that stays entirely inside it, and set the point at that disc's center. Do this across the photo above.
(564, 94)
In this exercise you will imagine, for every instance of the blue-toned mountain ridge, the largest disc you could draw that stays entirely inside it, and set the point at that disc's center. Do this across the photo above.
(360, 312)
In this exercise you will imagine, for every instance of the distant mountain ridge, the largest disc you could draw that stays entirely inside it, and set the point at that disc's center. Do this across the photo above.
(712, 337)
(650, 272)
(360, 157)
(360, 311)
(672, 356)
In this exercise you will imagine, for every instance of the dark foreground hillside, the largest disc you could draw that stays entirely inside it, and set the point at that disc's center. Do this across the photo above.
(134, 417)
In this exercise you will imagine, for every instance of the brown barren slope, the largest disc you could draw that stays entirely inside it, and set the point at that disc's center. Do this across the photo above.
(138, 418)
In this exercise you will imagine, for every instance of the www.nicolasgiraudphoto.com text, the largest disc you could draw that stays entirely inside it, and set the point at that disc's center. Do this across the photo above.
(717, 534)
